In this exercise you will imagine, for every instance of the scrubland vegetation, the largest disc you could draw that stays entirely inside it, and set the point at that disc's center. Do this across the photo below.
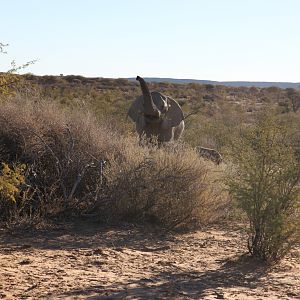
(75, 165)
(68, 151)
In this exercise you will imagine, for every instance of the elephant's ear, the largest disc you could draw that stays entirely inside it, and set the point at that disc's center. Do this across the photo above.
(174, 114)
(136, 109)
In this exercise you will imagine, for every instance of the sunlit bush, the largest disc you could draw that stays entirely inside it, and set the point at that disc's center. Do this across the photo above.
(265, 181)
(11, 179)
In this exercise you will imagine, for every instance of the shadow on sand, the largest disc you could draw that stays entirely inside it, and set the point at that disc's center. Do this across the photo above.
(244, 272)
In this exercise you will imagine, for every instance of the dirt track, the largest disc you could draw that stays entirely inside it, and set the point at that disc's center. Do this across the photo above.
(90, 262)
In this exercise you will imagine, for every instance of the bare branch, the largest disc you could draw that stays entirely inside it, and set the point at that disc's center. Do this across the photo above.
(190, 114)
(2, 46)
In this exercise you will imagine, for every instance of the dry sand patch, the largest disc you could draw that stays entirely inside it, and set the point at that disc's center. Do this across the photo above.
(88, 261)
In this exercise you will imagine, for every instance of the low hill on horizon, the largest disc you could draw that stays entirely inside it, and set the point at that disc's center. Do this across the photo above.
(260, 84)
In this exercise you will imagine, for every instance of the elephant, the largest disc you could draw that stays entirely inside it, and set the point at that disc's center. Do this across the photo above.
(156, 116)
(210, 154)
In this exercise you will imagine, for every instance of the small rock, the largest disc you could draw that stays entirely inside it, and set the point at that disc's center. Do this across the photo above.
(25, 262)
(219, 295)
(25, 246)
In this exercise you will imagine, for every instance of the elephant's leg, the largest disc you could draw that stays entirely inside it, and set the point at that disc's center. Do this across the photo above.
(178, 130)
(166, 134)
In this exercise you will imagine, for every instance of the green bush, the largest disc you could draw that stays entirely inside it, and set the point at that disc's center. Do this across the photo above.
(10, 181)
(265, 181)
(13, 190)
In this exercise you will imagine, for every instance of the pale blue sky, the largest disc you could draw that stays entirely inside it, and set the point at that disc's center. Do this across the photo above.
(257, 40)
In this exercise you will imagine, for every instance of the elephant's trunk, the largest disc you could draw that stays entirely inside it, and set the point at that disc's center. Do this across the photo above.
(149, 106)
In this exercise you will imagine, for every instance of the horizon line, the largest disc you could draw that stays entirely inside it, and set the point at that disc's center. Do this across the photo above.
(155, 77)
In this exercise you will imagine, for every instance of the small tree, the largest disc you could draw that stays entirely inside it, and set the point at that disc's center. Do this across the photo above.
(265, 181)
(9, 79)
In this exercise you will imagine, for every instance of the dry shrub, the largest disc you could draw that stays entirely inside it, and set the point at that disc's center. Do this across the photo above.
(171, 186)
(77, 166)
(63, 151)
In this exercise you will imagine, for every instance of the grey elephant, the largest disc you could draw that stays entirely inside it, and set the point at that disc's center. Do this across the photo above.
(156, 115)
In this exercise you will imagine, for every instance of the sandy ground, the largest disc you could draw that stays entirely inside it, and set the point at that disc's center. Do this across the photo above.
(92, 262)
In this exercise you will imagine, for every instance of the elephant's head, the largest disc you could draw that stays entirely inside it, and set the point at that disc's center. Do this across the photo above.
(155, 108)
